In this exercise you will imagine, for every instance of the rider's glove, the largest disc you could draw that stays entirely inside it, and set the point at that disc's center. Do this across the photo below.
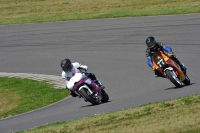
(153, 68)
(170, 54)
(83, 68)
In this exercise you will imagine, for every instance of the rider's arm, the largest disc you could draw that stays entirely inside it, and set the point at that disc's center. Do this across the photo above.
(79, 66)
(165, 47)
(63, 75)
(149, 61)
(83, 67)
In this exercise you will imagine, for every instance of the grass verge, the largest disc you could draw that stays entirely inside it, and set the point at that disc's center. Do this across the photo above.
(18, 96)
(177, 116)
(28, 11)
(173, 116)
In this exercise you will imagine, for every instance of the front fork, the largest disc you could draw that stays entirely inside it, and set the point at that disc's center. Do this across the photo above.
(86, 87)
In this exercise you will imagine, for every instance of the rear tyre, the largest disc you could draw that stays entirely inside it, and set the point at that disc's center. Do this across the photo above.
(187, 80)
(173, 78)
(105, 96)
(84, 92)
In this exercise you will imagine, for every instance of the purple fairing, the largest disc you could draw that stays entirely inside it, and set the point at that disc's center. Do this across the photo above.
(79, 83)
(92, 85)
(95, 87)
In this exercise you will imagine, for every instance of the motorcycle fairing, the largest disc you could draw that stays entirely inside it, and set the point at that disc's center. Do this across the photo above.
(160, 60)
(79, 83)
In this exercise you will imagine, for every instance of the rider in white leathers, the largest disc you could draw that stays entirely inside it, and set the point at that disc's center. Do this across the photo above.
(72, 73)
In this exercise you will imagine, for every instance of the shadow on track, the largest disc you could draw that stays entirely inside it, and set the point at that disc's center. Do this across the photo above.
(93, 105)
(179, 88)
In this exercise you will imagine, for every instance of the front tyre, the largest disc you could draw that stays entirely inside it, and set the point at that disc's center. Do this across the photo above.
(173, 78)
(86, 94)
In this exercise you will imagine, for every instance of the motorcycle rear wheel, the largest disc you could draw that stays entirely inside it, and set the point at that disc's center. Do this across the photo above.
(173, 78)
(105, 96)
(187, 80)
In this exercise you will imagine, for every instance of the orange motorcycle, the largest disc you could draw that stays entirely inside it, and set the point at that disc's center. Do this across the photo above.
(169, 69)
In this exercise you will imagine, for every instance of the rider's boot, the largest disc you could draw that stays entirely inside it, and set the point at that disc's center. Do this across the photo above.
(72, 93)
(158, 74)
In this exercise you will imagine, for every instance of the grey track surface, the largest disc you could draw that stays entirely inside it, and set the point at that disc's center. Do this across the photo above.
(113, 49)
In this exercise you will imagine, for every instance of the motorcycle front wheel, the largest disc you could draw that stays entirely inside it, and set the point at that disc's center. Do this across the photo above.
(86, 94)
(173, 78)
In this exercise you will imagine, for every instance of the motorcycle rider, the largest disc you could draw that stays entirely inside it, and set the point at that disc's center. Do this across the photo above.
(153, 46)
(70, 77)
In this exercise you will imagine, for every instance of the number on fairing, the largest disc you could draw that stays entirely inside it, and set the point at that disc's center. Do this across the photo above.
(161, 63)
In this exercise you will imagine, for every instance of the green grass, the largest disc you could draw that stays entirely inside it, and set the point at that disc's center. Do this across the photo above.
(177, 116)
(29, 11)
(22, 95)
(173, 116)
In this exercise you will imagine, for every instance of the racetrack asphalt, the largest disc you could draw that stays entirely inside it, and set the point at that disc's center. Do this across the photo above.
(113, 49)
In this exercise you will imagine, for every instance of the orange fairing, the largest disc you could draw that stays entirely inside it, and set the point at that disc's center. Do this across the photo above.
(160, 59)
